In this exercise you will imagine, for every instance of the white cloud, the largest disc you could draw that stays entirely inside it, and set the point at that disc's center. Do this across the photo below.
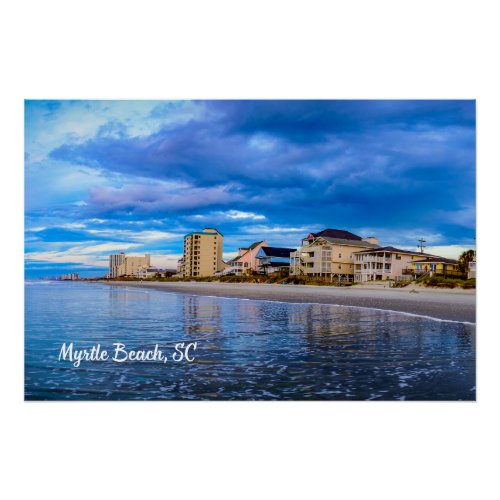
(263, 142)
(449, 251)
(237, 214)
(81, 253)
(140, 236)
(260, 229)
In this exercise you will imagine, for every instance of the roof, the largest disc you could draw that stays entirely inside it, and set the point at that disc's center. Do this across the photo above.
(435, 259)
(256, 244)
(277, 252)
(343, 241)
(337, 233)
(395, 250)
(202, 233)
(251, 247)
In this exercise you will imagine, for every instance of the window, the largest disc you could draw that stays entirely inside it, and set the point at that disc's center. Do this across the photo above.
(340, 255)
(398, 257)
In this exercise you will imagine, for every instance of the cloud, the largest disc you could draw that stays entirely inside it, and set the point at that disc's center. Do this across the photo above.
(92, 255)
(238, 215)
(449, 251)
(138, 236)
(230, 215)
(149, 198)
(148, 172)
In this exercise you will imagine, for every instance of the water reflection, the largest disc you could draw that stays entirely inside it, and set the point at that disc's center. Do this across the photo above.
(247, 349)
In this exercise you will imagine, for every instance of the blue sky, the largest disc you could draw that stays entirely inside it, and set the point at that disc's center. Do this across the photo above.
(135, 176)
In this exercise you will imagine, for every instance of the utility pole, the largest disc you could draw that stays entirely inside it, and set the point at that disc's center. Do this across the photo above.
(421, 246)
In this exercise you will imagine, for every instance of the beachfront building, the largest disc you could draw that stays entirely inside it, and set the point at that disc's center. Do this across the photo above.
(69, 277)
(180, 268)
(146, 272)
(329, 254)
(116, 262)
(127, 265)
(433, 265)
(471, 273)
(203, 253)
(384, 263)
(246, 261)
(274, 259)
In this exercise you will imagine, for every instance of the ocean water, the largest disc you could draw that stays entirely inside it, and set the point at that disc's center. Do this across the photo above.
(246, 349)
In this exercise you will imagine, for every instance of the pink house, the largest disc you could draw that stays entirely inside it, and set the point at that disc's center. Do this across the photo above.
(246, 260)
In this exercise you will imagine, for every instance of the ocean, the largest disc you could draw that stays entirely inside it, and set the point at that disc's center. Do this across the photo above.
(245, 349)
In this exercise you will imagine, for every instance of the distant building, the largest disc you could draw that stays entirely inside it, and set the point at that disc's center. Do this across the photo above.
(384, 263)
(146, 272)
(116, 263)
(246, 260)
(330, 254)
(69, 277)
(203, 253)
(127, 265)
(180, 266)
(472, 269)
(273, 259)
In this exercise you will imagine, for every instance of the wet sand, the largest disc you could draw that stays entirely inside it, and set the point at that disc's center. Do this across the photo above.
(454, 304)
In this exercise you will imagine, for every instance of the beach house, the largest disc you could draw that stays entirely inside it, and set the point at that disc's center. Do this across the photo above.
(274, 259)
(434, 265)
(329, 254)
(246, 260)
(384, 263)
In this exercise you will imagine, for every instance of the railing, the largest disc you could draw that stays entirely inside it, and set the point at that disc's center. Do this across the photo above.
(438, 272)
(366, 258)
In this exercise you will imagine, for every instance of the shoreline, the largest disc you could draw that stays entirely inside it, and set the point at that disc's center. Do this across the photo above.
(448, 305)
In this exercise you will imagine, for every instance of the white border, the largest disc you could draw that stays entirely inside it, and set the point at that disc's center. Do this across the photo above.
(227, 49)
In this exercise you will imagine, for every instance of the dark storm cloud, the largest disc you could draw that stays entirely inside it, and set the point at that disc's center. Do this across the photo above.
(394, 166)
(268, 144)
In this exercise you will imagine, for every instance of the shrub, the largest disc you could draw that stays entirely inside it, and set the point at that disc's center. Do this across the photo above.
(449, 282)
(470, 283)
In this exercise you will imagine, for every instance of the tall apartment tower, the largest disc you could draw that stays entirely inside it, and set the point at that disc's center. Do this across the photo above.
(203, 253)
(116, 262)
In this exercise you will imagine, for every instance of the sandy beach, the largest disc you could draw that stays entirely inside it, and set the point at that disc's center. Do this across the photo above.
(448, 304)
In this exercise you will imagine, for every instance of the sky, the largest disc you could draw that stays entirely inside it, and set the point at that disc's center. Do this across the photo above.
(105, 177)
